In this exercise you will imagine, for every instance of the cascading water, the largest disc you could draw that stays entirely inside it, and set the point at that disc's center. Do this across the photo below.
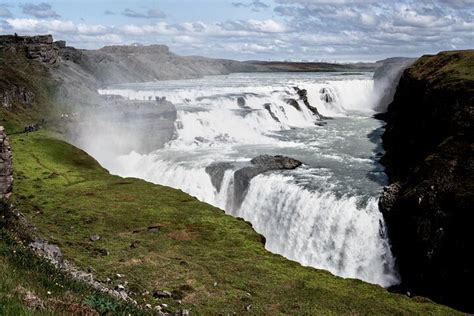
(323, 214)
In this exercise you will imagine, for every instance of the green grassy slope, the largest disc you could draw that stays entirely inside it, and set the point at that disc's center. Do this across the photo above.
(212, 262)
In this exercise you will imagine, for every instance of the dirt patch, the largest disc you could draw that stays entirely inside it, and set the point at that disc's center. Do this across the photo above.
(183, 235)
(29, 299)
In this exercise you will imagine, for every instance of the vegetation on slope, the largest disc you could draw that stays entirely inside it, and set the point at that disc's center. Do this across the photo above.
(162, 239)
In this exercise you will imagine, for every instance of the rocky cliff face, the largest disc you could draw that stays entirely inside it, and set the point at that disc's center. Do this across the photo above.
(39, 47)
(429, 159)
(6, 170)
(124, 64)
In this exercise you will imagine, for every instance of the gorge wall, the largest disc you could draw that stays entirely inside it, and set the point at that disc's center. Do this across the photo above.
(429, 161)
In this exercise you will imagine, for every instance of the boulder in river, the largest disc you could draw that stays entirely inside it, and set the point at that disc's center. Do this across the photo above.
(216, 171)
(260, 164)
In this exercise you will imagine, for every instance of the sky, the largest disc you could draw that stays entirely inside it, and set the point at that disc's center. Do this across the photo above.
(298, 30)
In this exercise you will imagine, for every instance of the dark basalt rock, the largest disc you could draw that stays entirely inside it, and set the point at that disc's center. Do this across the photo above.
(293, 103)
(216, 171)
(267, 107)
(326, 95)
(303, 94)
(241, 102)
(389, 196)
(260, 164)
(429, 159)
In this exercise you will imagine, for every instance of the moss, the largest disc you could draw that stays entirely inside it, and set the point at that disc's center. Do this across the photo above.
(212, 262)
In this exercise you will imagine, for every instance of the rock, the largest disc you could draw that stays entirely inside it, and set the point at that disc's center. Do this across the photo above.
(94, 238)
(161, 294)
(260, 165)
(248, 307)
(16, 95)
(154, 228)
(293, 103)
(201, 139)
(429, 159)
(268, 107)
(120, 287)
(303, 94)
(148, 306)
(326, 95)
(40, 47)
(48, 251)
(389, 196)
(241, 102)
(60, 44)
(182, 312)
(216, 171)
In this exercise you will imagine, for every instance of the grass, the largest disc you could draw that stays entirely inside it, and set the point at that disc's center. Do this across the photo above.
(211, 262)
(448, 69)
(30, 285)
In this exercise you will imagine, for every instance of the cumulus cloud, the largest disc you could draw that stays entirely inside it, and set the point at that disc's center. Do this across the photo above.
(296, 29)
(255, 5)
(150, 14)
(405, 27)
(41, 10)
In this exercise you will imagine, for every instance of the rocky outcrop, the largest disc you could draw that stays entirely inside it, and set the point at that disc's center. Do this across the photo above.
(293, 103)
(243, 176)
(6, 170)
(216, 171)
(39, 47)
(303, 95)
(430, 162)
(16, 95)
(259, 165)
(268, 107)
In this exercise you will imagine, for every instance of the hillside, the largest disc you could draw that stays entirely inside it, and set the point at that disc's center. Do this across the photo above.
(159, 245)
(429, 160)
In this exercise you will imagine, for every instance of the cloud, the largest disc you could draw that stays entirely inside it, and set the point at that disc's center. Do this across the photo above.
(459, 4)
(41, 10)
(150, 14)
(109, 12)
(255, 5)
(296, 29)
(5, 13)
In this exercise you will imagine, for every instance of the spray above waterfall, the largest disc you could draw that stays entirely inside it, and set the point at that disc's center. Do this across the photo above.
(322, 214)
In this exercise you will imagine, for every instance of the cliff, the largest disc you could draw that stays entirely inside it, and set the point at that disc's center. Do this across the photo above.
(429, 161)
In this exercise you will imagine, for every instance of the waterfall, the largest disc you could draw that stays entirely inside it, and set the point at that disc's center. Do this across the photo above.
(323, 215)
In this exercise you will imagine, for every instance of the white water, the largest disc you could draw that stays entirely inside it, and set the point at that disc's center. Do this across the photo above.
(323, 214)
